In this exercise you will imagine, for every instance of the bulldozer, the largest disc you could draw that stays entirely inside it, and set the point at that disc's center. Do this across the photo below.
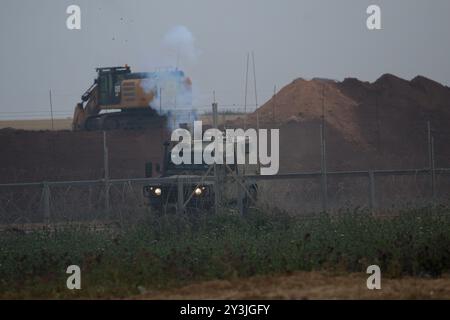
(121, 99)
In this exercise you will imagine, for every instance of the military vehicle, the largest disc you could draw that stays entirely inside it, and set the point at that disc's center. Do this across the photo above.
(198, 193)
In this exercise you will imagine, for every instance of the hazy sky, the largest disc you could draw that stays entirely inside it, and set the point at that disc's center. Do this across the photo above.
(290, 39)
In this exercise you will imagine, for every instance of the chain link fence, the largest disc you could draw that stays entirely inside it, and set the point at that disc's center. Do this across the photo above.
(299, 193)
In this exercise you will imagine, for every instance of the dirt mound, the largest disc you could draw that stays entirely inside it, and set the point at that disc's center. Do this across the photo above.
(379, 124)
(307, 285)
(367, 126)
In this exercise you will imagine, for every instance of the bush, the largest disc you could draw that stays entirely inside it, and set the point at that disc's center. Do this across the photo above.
(169, 251)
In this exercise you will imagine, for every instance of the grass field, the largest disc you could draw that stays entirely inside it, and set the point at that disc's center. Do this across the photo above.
(163, 253)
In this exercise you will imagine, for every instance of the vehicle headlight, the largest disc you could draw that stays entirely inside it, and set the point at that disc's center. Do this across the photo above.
(157, 191)
(198, 191)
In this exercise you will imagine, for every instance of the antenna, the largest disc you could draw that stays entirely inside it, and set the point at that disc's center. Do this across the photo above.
(254, 78)
(274, 103)
(246, 89)
(256, 102)
(256, 94)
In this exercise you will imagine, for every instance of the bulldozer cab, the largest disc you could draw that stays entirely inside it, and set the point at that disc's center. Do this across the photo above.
(109, 84)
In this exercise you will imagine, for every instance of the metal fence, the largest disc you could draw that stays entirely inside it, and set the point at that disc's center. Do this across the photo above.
(303, 192)
(296, 193)
(375, 190)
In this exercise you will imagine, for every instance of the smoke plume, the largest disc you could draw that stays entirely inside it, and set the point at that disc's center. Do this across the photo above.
(181, 41)
(173, 95)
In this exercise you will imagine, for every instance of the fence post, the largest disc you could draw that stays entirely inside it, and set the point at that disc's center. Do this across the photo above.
(433, 170)
(90, 200)
(106, 168)
(323, 168)
(46, 194)
(372, 191)
(240, 196)
(180, 196)
(431, 160)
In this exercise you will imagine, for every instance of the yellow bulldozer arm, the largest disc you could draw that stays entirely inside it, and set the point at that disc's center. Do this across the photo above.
(79, 116)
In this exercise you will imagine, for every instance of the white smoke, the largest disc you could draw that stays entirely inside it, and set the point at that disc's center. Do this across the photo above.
(173, 95)
(181, 41)
(171, 87)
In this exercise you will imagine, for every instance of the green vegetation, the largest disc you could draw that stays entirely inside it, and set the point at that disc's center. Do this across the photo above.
(170, 251)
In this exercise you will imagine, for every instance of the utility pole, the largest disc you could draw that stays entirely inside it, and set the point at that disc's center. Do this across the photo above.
(216, 173)
(323, 165)
(274, 103)
(256, 110)
(323, 160)
(245, 92)
(254, 79)
(323, 105)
